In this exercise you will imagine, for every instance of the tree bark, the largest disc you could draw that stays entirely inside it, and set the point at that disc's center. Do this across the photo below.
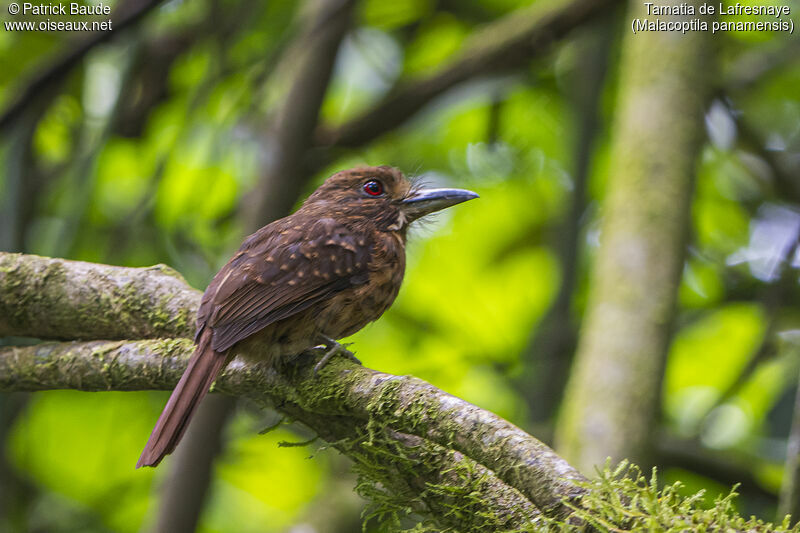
(613, 394)
(60, 299)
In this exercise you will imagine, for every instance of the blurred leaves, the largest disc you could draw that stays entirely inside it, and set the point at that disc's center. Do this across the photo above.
(75, 445)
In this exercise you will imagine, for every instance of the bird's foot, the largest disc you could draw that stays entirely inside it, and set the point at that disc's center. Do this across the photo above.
(334, 348)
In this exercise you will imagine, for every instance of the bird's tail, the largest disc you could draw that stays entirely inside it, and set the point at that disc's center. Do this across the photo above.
(202, 370)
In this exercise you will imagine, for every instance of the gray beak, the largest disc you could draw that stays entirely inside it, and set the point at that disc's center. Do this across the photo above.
(425, 201)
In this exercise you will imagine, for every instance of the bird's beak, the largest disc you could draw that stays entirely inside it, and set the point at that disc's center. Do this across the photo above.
(425, 201)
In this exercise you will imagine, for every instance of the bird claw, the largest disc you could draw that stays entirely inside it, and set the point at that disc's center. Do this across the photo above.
(334, 348)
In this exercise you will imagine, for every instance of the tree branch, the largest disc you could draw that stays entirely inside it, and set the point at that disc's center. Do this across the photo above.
(59, 299)
(448, 483)
(345, 397)
(339, 403)
(524, 35)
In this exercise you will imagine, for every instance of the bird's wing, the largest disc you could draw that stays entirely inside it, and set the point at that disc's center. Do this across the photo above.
(283, 269)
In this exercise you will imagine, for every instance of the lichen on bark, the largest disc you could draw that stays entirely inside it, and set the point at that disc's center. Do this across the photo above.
(424, 476)
(60, 299)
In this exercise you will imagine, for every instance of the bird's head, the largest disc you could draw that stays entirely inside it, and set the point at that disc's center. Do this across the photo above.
(382, 195)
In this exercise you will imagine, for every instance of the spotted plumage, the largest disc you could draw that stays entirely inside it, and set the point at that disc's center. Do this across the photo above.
(250, 294)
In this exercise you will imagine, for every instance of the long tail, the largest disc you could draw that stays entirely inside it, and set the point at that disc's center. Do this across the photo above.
(203, 368)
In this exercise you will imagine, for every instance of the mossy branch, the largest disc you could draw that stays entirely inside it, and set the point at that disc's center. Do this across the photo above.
(59, 299)
(446, 454)
(402, 462)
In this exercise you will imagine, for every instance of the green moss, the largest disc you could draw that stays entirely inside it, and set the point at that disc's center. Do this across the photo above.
(311, 395)
(618, 500)
(172, 347)
(386, 402)
(167, 270)
(388, 405)
(420, 486)
(413, 484)
(105, 348)
(54, 273)
(624, 500)
(130, 304)
(131, 307)
(16, 272)
(160, 318)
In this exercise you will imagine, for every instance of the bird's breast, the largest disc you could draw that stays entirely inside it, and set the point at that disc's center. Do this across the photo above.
(351, 310)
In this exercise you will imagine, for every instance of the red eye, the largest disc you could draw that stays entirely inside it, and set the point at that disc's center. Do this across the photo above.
(373, 188)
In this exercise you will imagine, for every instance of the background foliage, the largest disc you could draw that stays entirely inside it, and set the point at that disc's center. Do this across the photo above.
(148, 150)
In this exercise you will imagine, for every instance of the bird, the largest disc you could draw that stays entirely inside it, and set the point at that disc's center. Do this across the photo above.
(303, 281)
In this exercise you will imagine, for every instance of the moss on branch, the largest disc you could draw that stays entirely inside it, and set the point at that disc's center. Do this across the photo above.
(59, 299)
(411, 405)
(343, 389)
(408, 471)
(404, 475)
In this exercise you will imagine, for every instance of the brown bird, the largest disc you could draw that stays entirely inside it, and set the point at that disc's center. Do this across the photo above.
(315, 276)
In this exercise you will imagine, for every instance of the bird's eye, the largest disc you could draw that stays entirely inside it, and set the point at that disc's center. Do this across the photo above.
(373, 188)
